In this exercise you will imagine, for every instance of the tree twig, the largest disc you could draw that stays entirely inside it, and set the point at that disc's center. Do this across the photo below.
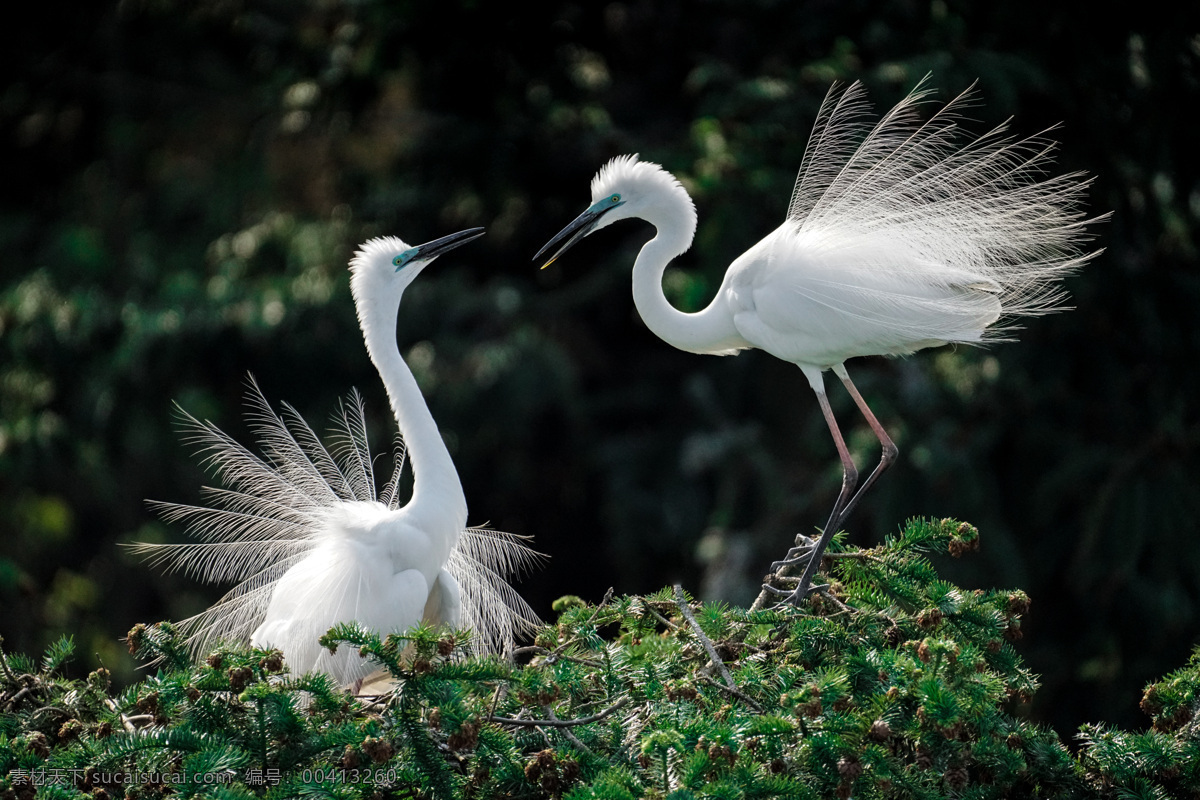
(125, 721)
(729, 689)
(137, 719)
(4, 663)
(660, 617)
(13, 700)
(557, 652)
(828, 595)
(43, 709)
(535, 649)
(566, 731)
(708, 645)
(607, 596)
(866, 555)
(559, 723)
(500, 689)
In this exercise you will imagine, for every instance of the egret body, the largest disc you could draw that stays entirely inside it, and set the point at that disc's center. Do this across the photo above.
(898, 237)
(310, 540)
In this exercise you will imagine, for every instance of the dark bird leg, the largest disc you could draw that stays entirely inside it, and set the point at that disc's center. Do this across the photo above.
(812, 553)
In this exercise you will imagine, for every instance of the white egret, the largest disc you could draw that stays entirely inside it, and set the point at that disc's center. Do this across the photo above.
(310, 541)
(898, 237)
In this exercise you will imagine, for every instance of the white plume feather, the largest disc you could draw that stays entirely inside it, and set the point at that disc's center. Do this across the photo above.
(275, 510)
(907, 209)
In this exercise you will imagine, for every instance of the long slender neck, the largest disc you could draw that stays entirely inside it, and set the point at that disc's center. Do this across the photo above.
(435, 480)
(710, 330)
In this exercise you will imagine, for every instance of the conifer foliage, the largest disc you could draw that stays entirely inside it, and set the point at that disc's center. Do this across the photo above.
(891, 684)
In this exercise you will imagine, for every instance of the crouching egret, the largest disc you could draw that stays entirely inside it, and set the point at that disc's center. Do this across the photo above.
(898, 237)
(310, 541)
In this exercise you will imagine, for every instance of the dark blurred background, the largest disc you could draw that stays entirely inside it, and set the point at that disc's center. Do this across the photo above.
(183, 183)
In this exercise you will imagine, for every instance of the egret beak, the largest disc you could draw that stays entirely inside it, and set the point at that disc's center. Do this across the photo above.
(431, 250)
(580, 227)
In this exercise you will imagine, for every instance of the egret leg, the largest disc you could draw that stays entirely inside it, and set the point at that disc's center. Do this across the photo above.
(843, 507)
(849, 479)
(806, 549)
(890, 451)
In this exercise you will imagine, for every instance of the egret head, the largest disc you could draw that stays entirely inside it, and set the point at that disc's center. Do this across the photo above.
(382, 269)
(387, 265)
(624, 188)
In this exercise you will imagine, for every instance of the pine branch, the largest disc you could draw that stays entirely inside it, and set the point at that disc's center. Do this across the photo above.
(554, 722)
(730, 690)
(681, 601)
(894, 681)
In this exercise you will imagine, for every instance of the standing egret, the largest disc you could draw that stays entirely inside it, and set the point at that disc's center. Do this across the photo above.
(307, 537)
(898, 237)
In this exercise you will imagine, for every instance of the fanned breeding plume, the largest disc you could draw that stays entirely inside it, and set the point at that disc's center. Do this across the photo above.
(901, 234)
(308, 540)
(274, 510)
(906, 202)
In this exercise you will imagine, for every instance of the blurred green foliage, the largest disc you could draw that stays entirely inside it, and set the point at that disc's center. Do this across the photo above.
(184, 183)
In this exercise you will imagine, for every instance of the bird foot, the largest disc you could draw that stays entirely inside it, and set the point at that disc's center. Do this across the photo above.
(792, 560)
(796, 596)
(803, 543)
(796, 555)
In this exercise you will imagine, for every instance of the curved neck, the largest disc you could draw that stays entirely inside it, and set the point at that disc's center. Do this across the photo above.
(435, 480)
(710, 330)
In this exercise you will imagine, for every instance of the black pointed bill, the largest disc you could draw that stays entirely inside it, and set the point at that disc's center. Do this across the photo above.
(580, 227)
(433, 249)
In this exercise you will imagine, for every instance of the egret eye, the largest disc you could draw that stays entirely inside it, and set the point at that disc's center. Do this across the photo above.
(398, 261)
(616, 198)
